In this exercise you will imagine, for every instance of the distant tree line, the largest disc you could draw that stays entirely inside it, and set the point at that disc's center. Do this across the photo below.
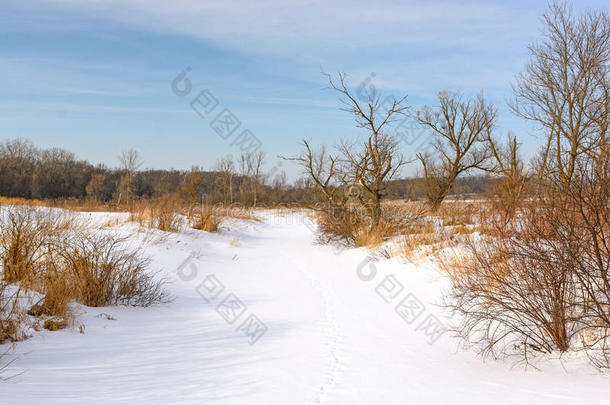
(27, 171)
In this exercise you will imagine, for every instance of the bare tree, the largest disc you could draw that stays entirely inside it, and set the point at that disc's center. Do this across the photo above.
(458, 128)
(378, 160)
(18, 158)
(130, 162)
(226, 168)
(322, 168)
(564, 88)
(255, 163)
(245, 169)
(543, 285)
(371, 166)
(511, 188)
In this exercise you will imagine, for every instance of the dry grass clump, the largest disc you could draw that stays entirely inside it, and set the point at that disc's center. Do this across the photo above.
(161, 213)
(139, 211)
(72, 204)
(237, 213)
(13, 321)
(352, 224)
(412, 244)
(25, 237)
(9, 330)
(374, 236)
(205, 219)
(46, 252)
(54, 324)
(283, 210)
(461, 261)
(208, 218)
(102, 272)
(456, 213)
(165, 213)
(88, 204)
(58, 292)
(114, 221)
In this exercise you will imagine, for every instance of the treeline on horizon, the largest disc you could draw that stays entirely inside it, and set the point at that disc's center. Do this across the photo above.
(29, 172)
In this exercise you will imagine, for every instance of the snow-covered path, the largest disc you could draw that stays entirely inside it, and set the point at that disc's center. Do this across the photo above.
(333, 336)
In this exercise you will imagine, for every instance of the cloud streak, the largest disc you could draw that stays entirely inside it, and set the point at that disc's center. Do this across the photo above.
(278, 26)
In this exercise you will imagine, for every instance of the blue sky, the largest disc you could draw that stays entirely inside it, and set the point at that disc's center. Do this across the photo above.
(95, 76)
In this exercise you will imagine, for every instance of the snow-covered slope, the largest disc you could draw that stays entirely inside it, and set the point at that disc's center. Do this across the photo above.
(305, 324)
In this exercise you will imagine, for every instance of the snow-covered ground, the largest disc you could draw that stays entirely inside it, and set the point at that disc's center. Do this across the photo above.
(305, 324)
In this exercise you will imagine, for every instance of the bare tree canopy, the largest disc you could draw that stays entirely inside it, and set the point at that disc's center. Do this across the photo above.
(458, 128)
(130, 160)
(322, 168)
(130, 163)
(564, 88)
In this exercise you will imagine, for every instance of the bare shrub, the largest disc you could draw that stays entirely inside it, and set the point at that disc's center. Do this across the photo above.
(541, 284)
(581, 227)
(513, 295)
(340, 223)
(352, 223)
(25, 235)
(107, 273)
(397, 218)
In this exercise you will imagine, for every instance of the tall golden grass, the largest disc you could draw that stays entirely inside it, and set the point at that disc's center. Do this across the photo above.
(47, 252)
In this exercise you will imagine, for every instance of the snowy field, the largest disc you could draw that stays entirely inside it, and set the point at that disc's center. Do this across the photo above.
(264, 315)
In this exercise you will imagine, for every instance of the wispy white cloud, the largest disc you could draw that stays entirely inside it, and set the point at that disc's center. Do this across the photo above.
(359, 36)
(282, 25)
